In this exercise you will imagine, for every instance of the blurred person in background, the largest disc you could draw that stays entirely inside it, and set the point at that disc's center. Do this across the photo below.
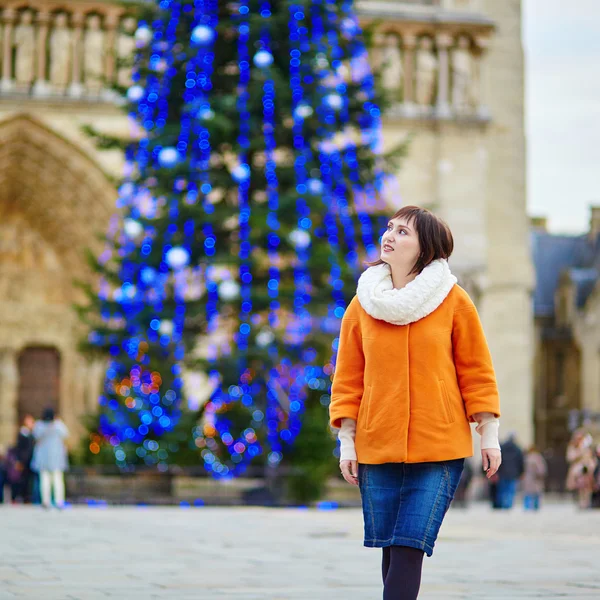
(460, 497)
(2, 473)
(582, 466)
(24, 454)
(534, 478)
(510, 472)
(596, 493)
(50, 457)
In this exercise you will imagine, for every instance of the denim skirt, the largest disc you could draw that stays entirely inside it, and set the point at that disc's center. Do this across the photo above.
(404, 504)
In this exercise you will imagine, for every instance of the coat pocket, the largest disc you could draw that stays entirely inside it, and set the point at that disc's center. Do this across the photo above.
(447, 403)
(366, 409)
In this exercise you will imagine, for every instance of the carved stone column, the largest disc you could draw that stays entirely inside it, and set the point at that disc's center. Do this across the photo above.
(481, 73)
(443, 42)
(409, 43)
(9, 386)
(9, 16)
(41, 87)
(111, 23)
(76, 87)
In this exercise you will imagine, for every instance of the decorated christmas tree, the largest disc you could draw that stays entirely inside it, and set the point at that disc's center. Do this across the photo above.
(249, 204)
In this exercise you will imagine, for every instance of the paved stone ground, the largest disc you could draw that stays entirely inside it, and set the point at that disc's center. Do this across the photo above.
(203, 553)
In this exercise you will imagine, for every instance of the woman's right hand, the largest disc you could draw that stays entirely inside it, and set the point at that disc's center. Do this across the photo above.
(349, 469)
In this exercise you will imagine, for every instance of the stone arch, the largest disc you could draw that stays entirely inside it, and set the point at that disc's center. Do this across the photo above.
(54, 201)
(51, 183)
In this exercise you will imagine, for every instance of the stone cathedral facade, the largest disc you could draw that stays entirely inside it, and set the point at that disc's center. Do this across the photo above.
(455, 68)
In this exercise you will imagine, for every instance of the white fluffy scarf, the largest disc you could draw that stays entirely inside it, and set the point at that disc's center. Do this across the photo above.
(414, 301)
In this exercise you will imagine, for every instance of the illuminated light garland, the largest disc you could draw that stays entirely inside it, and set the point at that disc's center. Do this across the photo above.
(273, 412)
(328, 118)
(302, 323)
(244, 448)
(206, 16)
(144, 289)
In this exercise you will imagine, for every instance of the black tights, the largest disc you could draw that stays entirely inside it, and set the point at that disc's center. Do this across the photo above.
(401, 569)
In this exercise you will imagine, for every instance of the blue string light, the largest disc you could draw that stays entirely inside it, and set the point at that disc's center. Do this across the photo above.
(245, 447)
(301, 325)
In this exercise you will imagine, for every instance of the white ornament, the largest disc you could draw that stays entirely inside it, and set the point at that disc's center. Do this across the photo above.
(168, 157)
(334, 101)
(135, 93)
(315, 186)
(303, 111)
(203, 35)
(264, 338)
(321, 61)
(126, 190)
(300, 238)
(166, 327)
(206, 114)
(143, 36)
(263, 59)
(241, 173)
(327, 147)
(229, 290)
(349, 27)
(133, 228)
(160, 65)
(125, 292)
(177, 257)
(130, 290)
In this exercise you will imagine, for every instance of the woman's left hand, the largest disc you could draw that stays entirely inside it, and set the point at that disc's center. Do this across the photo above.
(491, 459)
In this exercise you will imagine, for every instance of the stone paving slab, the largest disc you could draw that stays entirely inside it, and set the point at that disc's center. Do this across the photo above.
(173, 553)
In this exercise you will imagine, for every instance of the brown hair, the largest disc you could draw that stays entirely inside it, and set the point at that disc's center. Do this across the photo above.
(435, 237)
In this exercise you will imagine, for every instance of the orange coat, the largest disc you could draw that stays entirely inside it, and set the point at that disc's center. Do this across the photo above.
(414, 388)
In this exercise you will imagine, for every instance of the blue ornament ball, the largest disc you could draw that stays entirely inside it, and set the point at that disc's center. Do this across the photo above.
(263, 59)
(203, 35)
(241, 173)
(135, 93)
(168, 157)
(148, 275)
(177, 257)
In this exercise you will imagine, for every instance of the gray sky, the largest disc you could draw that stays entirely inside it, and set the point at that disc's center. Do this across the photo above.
(562, 53)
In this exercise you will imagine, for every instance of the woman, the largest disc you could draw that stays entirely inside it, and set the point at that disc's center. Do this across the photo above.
(50, 457)
(533, 479)
(582, 464)
(413, 369)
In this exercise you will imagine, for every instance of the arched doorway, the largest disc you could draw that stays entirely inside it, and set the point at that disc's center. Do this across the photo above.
(39, 381)
(54, 200)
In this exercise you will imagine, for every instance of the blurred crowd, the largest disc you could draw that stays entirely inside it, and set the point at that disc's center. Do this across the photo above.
(32, 470)
(525, 472)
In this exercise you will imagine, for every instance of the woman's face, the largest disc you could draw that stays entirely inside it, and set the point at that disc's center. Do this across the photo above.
(400, 244)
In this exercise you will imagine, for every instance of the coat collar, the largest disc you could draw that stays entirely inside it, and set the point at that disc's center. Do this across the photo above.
(414, 301)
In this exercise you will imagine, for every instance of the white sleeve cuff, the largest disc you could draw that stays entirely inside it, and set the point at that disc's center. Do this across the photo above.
(489, 429)
(346, 436)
